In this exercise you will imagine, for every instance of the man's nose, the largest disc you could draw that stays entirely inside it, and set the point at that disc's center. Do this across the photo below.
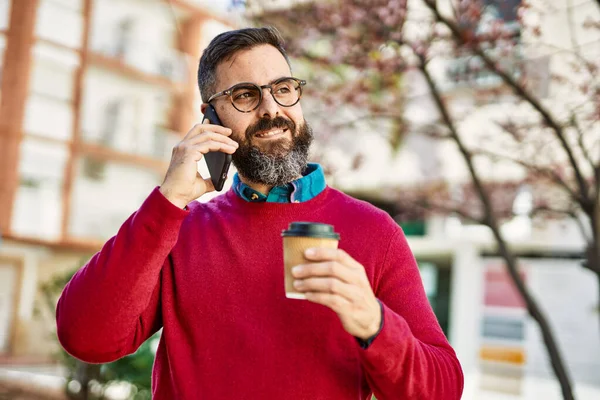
(268, 108)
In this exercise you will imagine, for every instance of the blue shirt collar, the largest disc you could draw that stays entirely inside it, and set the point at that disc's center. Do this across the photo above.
(298, 191)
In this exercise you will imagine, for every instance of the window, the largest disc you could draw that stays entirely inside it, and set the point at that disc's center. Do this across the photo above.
(4, 14)
(505, 10)
(467, 69)
(38, 204)
(123, 41)
(121, 122)
(100, 205)
(436, 282)
(52, 79)
(49, 108)
(60, 22)
(48, 117)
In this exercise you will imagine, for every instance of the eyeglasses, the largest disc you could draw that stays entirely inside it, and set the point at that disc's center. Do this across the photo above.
(246, 96)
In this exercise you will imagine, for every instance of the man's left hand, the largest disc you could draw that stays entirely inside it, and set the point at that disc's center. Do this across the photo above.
(334, 279)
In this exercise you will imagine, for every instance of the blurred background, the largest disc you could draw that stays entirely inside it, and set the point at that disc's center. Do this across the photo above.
(474, 123)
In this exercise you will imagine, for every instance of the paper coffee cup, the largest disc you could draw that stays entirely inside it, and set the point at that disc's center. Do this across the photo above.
(299, 237)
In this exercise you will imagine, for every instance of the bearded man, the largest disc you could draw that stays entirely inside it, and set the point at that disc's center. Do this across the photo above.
(211, 275)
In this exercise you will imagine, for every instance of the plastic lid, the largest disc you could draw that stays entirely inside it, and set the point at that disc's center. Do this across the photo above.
(311, 229)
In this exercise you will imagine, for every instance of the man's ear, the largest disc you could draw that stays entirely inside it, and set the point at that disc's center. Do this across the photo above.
(203, 107)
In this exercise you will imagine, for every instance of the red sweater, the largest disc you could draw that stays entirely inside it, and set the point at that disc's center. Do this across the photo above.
(212, 277)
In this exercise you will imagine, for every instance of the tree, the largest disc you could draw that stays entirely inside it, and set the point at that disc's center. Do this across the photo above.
(363, 48)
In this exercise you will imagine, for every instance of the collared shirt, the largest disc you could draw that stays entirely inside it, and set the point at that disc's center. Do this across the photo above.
(298, 191)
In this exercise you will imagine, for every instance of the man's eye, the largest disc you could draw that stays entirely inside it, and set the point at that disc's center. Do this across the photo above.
(284, 90)
(244, 96)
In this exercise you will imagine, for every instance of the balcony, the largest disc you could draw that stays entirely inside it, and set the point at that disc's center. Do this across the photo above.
(151, 63)
(217, 9)
(154, 146)
(469, 72)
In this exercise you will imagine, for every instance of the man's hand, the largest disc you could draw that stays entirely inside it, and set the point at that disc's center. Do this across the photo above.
(182, 182)
(336, 280)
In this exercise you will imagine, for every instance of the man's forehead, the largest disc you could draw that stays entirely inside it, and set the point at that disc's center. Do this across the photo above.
(260, 65)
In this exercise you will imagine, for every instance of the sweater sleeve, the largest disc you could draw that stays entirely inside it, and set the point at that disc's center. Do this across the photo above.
(112, 304)
(410, 358)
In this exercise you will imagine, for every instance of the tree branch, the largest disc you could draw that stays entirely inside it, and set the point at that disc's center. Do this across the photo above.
(570, 213)
(367, 117)
(536, 168)
(490, 220)
(580, 134)
(453, 210)
(522, 93)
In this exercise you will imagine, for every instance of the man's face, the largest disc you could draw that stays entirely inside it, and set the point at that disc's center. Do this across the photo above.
(273, 139)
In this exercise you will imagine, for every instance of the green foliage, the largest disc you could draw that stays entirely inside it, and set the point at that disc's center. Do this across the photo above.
(135, 369)
(92, 379)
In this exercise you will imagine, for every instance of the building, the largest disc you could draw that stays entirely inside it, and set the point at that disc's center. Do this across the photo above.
(94, 94)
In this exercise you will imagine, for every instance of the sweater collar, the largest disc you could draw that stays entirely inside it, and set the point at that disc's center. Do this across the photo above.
(300, 190)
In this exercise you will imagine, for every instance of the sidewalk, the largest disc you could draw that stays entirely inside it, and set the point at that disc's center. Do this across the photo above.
(17, 384)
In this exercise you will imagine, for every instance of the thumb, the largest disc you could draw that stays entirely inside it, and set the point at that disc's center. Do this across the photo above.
(209, 185)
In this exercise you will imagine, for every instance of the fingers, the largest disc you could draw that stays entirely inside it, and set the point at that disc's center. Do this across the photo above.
(327, 285)
(200, 128)
(208, 182)
(329, 262)
(197, 146)
(335, 302)
(213, 142)
(325, 269)
(212, 136)
(214, 145)
(329, 254)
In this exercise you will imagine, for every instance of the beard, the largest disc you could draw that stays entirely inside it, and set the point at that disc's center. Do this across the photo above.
(275, 162)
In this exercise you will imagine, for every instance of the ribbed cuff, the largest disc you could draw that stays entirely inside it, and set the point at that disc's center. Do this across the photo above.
(157, 212)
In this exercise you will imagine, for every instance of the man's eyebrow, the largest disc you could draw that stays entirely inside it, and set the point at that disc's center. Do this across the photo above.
(270, 82)
(276, 79)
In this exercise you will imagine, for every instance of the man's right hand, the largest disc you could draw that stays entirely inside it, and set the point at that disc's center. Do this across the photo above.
(183, 183)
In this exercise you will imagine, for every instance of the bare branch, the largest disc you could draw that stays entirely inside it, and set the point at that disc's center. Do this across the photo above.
(522, 93)
(467, 155)
(586, 264)
(550, 173)
(368, 117)
(569, 213)
(580, 134)
(454, 210)
(490, 220)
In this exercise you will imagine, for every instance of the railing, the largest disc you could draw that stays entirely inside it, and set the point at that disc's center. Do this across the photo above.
(216, 7)
(145, 57)
(157, 143)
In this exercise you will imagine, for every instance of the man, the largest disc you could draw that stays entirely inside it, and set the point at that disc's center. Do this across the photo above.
(211, 275)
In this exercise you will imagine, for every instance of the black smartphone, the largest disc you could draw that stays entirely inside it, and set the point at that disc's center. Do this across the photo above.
(218, 162)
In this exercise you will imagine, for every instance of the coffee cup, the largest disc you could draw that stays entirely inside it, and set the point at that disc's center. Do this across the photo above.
(299, 237)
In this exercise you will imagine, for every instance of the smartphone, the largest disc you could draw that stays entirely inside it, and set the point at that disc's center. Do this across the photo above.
(218, 162)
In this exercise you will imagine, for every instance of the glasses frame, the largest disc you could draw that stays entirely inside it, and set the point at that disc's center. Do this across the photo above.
(229, 92)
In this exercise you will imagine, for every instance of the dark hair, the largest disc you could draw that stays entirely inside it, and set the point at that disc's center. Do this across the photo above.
(225, 45)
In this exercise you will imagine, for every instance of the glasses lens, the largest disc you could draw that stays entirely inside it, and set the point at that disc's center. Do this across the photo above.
(245, 97)
(287, 92)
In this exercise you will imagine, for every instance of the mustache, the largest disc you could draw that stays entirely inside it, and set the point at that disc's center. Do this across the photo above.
(264, 124)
